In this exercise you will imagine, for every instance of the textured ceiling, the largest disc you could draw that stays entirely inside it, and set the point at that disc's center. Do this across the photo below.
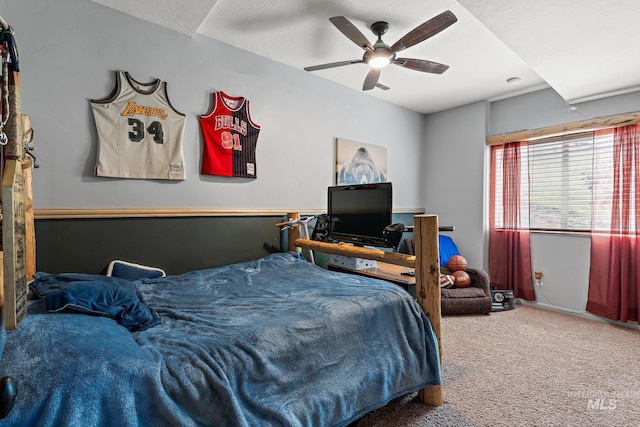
(582, 49)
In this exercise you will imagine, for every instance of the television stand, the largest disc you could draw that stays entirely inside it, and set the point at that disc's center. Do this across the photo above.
(389, 272)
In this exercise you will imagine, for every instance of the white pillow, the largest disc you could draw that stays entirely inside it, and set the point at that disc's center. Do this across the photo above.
(131, 271)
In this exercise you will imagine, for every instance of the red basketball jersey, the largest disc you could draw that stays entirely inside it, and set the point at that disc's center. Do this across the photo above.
(230, 138)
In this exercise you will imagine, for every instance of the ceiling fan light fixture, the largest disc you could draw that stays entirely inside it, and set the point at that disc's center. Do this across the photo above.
(379, 61)
(380, 56)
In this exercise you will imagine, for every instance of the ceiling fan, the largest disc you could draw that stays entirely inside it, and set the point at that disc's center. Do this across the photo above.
(380, 54)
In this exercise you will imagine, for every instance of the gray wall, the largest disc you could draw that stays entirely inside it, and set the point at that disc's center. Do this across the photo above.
(453, 177)
(69, 50)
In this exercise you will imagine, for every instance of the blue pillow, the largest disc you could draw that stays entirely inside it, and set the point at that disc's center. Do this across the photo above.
(131, 271)
(98, 295)
(448, 249)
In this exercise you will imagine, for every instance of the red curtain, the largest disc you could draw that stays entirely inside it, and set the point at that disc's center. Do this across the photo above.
(614, 277)
(509, 243)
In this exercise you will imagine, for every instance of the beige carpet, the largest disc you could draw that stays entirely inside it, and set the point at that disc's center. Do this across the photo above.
(529, 367)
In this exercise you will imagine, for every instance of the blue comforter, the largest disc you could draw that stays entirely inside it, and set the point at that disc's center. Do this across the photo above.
(272, 342)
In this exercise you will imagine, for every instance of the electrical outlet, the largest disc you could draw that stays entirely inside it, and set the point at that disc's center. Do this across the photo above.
(538, 277)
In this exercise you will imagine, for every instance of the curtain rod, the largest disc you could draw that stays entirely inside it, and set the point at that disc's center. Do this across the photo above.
(596, 123)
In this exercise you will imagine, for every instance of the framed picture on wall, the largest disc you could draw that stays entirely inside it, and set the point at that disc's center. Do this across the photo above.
(360, 163)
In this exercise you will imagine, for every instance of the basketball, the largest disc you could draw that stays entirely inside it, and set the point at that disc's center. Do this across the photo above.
(463, 279)
(456, 263)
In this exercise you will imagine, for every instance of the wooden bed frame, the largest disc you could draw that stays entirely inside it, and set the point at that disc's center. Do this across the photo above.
(18, 238)
(427, 274)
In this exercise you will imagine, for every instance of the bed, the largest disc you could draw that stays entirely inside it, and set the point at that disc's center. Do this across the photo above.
(275, 341)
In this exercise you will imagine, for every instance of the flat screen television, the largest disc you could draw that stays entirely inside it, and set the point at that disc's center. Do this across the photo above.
(358, 214)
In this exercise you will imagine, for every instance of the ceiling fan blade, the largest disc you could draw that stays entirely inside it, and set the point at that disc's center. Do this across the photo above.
(428, 29)
(350, 30)
(332, 65)
(372, 79)
(421, 65)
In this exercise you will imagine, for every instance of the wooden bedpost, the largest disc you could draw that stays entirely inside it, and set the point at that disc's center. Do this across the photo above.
(427, 270)
(13, 212)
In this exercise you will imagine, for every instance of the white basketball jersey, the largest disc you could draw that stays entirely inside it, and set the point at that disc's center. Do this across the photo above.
(139, 131)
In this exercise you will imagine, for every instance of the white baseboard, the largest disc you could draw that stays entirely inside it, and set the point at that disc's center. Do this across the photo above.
(583, 314)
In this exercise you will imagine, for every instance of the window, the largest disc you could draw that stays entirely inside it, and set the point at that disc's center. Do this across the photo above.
(560, 174)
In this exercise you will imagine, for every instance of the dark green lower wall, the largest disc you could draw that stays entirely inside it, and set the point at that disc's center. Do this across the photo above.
(175, 244)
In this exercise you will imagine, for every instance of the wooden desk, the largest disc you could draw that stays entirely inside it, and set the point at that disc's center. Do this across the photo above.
(384, 271)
